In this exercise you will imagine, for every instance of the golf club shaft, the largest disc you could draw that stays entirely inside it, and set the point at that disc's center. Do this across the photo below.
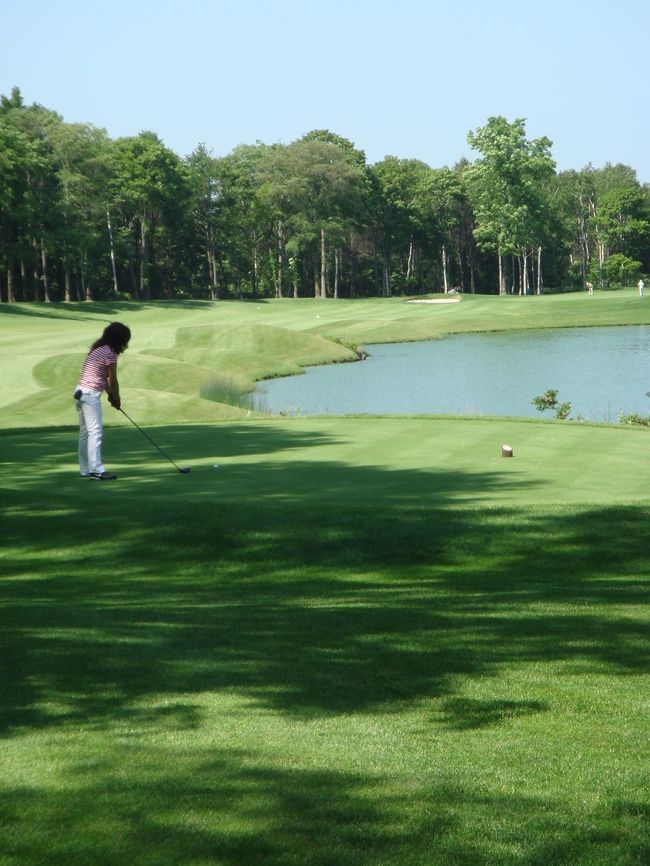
(150, 439)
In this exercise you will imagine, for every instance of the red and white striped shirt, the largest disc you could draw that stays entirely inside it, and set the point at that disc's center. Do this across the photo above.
(95, 369)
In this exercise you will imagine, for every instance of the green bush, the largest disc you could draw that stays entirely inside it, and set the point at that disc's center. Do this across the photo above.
(619, 270)
(548, 400)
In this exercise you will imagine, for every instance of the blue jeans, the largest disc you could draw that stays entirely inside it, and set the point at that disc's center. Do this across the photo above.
(89, 409)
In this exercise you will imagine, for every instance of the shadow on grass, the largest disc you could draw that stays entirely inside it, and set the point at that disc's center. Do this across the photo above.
(38, 311)
(236, 809)
(121, 608)
(309, 608)
(279, 472)
(82, 309)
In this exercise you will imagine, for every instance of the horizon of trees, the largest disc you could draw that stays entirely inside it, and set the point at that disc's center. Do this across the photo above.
(85, 217)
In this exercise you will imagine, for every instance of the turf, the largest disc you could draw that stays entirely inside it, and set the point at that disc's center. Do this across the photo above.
(180, 350)
(357, 641)
(326, 651)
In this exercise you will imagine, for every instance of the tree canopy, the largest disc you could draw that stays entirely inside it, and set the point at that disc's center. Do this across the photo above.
(84, 216)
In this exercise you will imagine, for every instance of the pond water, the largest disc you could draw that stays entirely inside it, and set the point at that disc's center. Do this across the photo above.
(600, 371)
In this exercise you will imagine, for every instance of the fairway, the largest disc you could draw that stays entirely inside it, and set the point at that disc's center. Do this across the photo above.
(357, 641)
(181, 350)
(352, 461)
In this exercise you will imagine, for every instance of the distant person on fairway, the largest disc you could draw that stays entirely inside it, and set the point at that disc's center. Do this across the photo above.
(590, 288)
(99, 374)
(641, 287)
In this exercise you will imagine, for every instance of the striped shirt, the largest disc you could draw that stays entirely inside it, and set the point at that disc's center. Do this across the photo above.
(95, 369)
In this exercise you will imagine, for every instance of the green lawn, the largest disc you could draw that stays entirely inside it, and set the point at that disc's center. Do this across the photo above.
(178, 348)
(358, 641)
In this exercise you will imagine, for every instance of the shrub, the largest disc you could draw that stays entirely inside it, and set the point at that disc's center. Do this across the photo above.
(548, 400)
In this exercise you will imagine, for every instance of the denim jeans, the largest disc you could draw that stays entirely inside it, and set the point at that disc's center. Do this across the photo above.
(89, 409)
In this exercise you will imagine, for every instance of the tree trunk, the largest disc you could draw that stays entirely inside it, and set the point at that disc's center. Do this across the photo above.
(584, 248)
(461, 269)
(87, 291)
(36, 280)
(255, 265)
(214, 277)
(278, 286)
(445, 282)
(11, 296)
(68, 293)
(386, 277)
(116, 289)
(409, 263)
(323, 265)
(601, 262)
(134, 281)
(519, 262)
(213, 263)
(144, 288)
(208, 258)
(502, 282)
(337, 270)
(46, 280)
(539, 270)
(23, 277)
(293, 274)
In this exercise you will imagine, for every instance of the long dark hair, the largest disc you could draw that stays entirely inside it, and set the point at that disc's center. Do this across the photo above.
(116, 335)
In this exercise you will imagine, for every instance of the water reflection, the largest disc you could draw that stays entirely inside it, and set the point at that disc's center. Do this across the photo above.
(602, 372)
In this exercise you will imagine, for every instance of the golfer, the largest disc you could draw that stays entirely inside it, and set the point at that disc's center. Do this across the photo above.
(99, 374)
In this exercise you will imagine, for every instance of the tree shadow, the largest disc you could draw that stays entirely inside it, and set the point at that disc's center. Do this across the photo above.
(321, 593)
(45, 311)
(235, 808)
(462, 714)
(82, 309)
(355, 610)
(279, 473)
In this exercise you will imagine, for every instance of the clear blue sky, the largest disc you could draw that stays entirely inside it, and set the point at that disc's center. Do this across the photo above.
(408, 77)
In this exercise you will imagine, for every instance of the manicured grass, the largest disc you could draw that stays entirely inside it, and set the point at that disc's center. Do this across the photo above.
(179, 349)
(359, 641)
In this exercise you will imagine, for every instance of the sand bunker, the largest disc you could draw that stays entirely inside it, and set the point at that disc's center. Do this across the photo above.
(434, 301)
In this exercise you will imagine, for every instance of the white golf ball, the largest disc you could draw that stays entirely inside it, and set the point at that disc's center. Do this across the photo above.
(216, 465)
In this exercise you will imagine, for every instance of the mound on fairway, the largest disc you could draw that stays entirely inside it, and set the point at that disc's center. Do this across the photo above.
(177, 347)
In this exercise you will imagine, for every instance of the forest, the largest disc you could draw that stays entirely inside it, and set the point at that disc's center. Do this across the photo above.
(85, 217)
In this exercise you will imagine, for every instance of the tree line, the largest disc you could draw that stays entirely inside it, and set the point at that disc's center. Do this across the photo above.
(86, 217)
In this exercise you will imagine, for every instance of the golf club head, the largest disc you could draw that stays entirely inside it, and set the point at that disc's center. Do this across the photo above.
(184, 470)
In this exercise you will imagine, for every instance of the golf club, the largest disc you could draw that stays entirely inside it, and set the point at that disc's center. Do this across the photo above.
(182, 469)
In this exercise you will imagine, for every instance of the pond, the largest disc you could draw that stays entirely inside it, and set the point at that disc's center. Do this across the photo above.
(602, 372)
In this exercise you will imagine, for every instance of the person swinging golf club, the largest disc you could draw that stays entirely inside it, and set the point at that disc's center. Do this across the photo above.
(99, 373)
